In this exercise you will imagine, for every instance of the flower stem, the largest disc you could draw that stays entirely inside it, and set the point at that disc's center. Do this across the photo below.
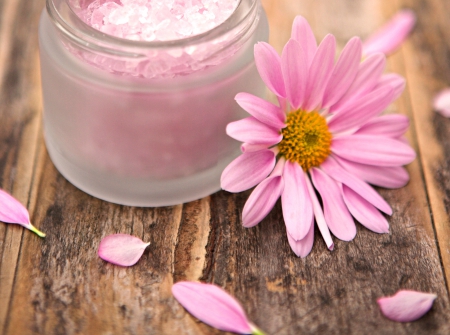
(35, 230)
(257, 331)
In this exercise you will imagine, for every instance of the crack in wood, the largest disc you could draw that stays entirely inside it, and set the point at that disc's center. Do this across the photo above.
(190, 251)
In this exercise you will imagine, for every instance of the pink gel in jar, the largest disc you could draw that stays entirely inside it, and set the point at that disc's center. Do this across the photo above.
(137, 115)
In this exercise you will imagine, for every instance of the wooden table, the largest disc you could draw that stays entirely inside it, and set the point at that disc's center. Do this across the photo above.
(58, 285)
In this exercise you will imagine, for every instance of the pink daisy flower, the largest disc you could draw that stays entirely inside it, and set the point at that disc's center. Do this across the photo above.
(326, 136)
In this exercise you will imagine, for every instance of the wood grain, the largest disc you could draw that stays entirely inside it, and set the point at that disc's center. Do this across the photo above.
(427, 73)
(58, 285)
(20, 112)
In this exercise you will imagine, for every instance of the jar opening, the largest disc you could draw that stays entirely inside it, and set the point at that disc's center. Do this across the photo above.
(153, 20)
(154, 59)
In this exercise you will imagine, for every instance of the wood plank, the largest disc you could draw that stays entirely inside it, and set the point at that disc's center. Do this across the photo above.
(427, 71)
(338, 290)
(75, 292)
(7, 14)
(370, 266)
(20, 112)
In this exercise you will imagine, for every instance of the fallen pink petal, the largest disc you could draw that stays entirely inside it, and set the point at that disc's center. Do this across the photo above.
(12, 211)
(121, 249)
(406, 306)
(391, 35)
(213, 306)
(441, 102)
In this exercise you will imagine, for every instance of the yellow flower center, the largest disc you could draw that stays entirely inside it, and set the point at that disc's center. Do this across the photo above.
(306, 139)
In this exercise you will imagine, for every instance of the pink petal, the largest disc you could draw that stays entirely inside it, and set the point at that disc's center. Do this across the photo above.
(320, 72)
(12, 211)
(334, 170)
(263, 197)
(395, 81)
(344, 72)
(302, 32)
(295, 72)
(121, 249)
(373, 150)
(406, 306)
(212, 305)
(252, 131)
(268, 63)
(320, 219)
(403, 139)
(384, 176)
(248, 170)
(336, 213)
(303, 247)
(362, 110)
(364, 212)
(297, 207)
(391, 125)
(247, 147)
(441, 102)
(391, 35)
(262, 110)
(368, 76)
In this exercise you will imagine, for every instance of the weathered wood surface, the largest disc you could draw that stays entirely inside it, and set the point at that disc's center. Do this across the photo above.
(58, 285)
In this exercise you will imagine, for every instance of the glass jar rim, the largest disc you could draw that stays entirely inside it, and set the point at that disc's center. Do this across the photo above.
(68, 22)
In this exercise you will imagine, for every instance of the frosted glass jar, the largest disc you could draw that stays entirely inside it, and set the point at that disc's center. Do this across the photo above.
(143, 123)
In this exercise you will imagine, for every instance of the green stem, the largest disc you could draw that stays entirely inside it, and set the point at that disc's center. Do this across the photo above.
(257, 331)
(35, 230)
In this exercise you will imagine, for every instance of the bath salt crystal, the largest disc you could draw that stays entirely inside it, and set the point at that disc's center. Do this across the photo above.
(150, 20)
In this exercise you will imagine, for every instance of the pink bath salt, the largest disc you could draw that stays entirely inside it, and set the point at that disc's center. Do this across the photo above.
(154, 20)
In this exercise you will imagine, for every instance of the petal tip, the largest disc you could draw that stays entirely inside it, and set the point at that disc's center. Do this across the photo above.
(441, 102)
(249, 224)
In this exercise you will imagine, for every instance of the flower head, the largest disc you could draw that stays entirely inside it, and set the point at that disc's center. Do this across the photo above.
(326, 134)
